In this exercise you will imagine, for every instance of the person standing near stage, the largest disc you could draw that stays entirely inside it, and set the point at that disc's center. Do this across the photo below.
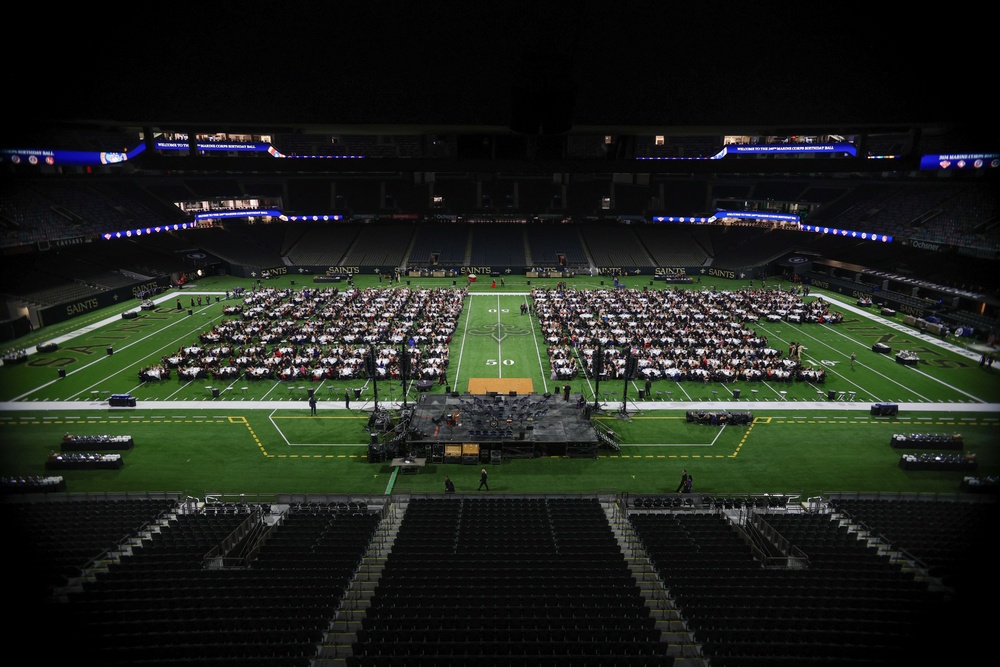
(483, 476)
(347, 399)
(312, 405)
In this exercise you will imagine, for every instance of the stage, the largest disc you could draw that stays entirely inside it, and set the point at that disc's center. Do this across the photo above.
(514, 425)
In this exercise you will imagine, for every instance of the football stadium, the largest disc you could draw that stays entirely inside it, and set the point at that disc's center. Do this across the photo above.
(533, 382)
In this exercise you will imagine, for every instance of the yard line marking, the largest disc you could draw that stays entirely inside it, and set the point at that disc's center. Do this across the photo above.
(680, 444)
(681, 387)
(129, 345)
(43, 386)
(940, 381)
(915, 334)
(833, 371)
(582, 363)
(273, 387)
(778, 393)
(898, 326)
(538, 354)
(180, 388)
(270, 418)
(465, 335)
(872, 369)
(233, 383)
(100, 324)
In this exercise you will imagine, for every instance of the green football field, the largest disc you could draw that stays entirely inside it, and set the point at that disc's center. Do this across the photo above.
(207, 436)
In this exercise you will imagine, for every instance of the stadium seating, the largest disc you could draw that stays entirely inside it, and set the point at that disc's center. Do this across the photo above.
(503, 580)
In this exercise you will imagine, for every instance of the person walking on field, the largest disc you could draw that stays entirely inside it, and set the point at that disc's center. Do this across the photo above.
(483, 476)
(854, 357)
(684, 480)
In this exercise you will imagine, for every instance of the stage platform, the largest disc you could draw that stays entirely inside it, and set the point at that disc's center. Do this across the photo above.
(517, 426)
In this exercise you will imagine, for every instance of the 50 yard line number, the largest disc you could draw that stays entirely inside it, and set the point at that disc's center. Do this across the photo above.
(495, 362)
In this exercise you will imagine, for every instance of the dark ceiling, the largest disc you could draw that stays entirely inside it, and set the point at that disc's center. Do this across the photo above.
(535, 67)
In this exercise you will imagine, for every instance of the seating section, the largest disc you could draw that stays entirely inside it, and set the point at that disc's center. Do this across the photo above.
(676, 245)
(615, 245)
(448, 241)
(236, 246)
(946, 536)
(83, 271)
(165, 603)
(347, 145)
(960, 214)
(380, 245)
(320, 244)
(502, 581)
(497, 245)
(845, 604)
(64, 536)
(550, 240)
(740, 247)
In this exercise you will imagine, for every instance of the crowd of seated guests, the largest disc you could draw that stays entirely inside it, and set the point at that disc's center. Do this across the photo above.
(154, 373)
(705, 336)
(31, 484)
(562, 362)
(718, 418)
(15, 356)
(321, 334)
